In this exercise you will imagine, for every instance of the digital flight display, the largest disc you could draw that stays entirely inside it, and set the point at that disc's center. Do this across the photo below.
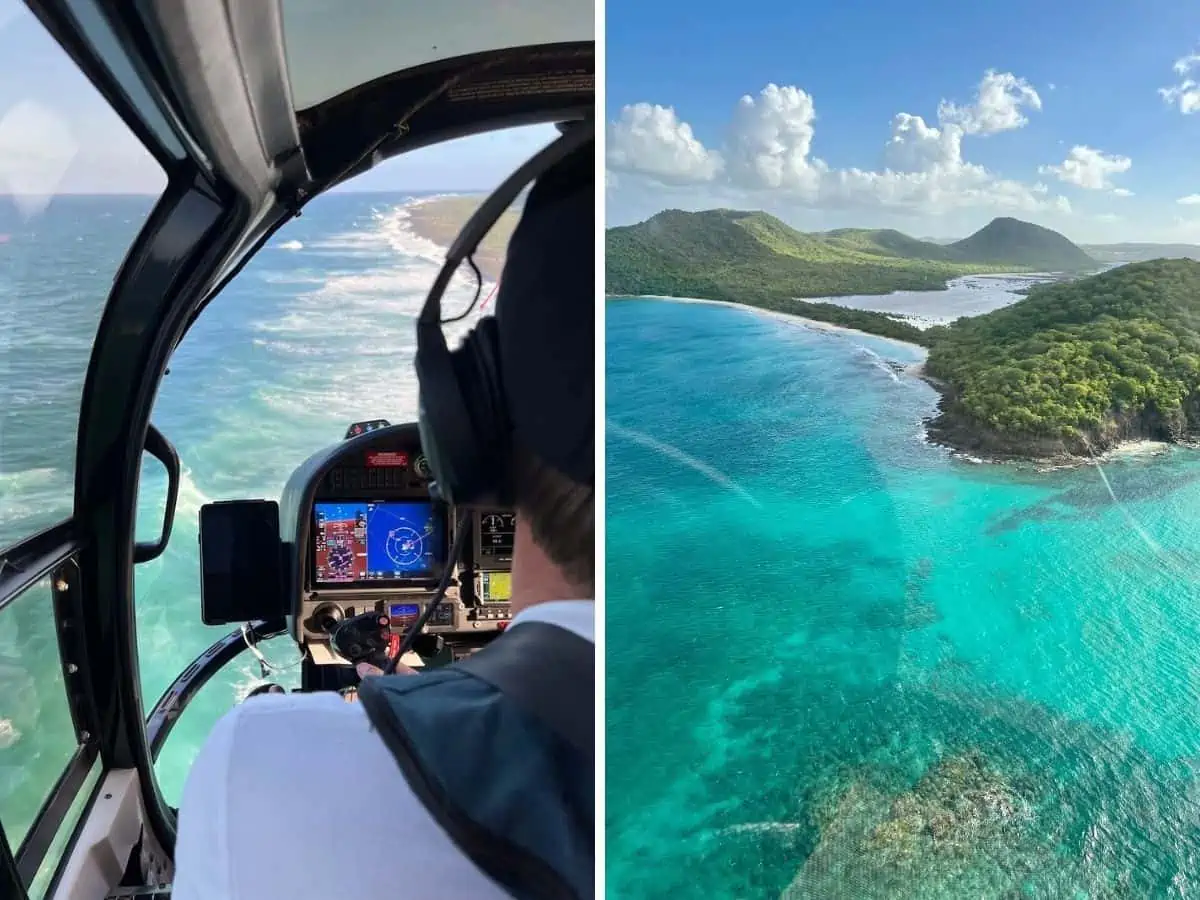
(377, 542)
(495, 587)
(403, 614)
(496, 530)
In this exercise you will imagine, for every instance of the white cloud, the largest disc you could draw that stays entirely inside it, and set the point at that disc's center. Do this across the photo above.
(651, 140)
(1189, 200)
(1122, 192)
(1185, 64)
(1088, 168)
(1185, 94)
(997, 105)
(769, 142)
(917, 147)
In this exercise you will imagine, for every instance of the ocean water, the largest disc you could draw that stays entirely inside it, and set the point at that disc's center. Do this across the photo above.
(843, 663)
(971, 295)
(316, 332)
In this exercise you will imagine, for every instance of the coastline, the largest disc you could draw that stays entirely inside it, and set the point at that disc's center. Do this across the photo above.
(938, 426)
(811, 324)
(439, 219)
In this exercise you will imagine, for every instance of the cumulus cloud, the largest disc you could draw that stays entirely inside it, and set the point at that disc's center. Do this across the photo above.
(1185, 94)
(1089, 168)
(769, 141)
(653, 141)
(1189, 200)
(769, 145)
(997, 107)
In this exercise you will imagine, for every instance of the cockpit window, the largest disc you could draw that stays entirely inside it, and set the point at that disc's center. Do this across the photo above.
(315, 334)
(334, 46)
(75, 187)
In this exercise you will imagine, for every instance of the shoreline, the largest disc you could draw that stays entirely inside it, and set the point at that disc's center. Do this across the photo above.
(440, 218)
(1134, 448)
(811, 324)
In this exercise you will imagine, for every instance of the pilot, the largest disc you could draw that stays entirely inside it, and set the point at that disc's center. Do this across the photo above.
(456, 782)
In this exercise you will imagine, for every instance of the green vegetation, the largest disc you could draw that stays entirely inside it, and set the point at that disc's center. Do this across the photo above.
(1076, 367)
(753, 258)
(1006, 240)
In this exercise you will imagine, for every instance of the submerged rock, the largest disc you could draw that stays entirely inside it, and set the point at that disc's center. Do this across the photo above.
(958, 829)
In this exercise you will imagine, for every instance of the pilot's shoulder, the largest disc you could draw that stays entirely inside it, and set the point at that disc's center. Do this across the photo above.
(284, 717)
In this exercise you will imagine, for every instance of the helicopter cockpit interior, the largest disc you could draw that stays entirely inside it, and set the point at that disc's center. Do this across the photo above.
(366, 554)
(253, 108)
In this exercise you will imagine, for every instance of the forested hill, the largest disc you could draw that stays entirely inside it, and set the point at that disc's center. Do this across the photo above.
(1075, 367)
(1008, 240)
(754, 258)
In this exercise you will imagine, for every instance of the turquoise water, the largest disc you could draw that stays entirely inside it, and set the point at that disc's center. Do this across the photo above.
(843, 663)
(317, 332)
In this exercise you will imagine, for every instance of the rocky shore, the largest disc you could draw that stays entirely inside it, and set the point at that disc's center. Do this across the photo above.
(1120, 435)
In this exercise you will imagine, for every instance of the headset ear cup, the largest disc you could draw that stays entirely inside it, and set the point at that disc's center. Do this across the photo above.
(443, 418)
(463, 417)
(477, 369)
(492, 424)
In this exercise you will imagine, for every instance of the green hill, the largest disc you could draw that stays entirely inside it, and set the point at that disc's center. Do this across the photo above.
(1075, 367)
(1007, 240)
(754, 258)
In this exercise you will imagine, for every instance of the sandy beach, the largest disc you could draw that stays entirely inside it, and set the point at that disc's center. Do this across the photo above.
(439, 219)
(813, 324)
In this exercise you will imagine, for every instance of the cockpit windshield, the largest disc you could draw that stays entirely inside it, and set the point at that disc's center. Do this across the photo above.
(333, 47)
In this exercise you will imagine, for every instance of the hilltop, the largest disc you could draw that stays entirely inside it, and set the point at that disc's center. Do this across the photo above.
(754, 258)
(1075, 368)
(1006, 241)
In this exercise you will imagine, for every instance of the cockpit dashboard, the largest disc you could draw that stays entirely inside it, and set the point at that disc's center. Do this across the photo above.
(366, 534)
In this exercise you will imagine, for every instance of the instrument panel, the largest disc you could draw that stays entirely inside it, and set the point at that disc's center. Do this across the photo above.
(371, 537)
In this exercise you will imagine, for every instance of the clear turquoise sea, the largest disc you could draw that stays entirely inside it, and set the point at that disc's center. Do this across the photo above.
(842, 663)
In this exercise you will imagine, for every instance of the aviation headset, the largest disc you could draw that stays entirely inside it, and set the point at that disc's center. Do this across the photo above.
(463, 414)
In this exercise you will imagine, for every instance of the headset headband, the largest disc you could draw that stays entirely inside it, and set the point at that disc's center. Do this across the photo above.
(574, 136)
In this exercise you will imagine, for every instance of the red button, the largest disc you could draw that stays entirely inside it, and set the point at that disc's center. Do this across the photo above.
(500, 626)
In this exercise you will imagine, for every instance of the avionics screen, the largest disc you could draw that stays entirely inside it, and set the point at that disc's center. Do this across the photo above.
(496, 530)
(372, 542)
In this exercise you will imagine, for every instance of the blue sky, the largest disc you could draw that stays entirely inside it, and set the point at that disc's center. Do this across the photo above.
(57, 135)
(1083, 75)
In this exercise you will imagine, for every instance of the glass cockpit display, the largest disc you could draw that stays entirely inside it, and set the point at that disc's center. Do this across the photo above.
(496, 531)
(368, 542)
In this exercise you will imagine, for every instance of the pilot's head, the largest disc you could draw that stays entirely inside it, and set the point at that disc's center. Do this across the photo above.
(510, 414)
(545, 312)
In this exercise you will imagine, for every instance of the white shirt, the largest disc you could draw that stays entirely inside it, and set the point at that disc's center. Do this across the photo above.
(272, 811)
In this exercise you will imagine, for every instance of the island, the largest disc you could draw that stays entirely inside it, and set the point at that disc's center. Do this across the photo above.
(1073, 369)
